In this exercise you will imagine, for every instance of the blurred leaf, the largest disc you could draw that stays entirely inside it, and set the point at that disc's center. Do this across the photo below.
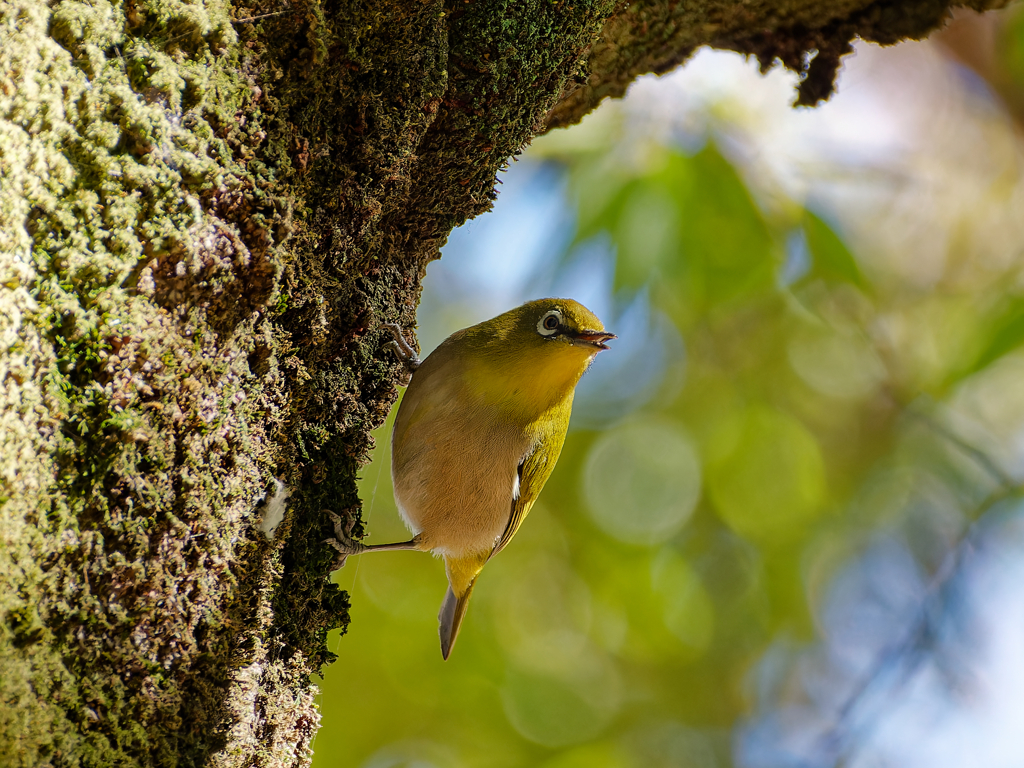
(600, 189)
(726, 248)
(830, 258)
(646, 232)
(1011, 46)
(685, 222)
(1008, 334)
(1002, 334)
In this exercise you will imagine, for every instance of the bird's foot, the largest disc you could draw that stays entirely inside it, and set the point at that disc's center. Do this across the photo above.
(342, 540)
(404, 351)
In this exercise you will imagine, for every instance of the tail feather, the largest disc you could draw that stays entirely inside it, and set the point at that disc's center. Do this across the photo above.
(450, 617)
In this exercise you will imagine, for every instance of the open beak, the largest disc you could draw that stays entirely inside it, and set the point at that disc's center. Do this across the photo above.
(594, 339)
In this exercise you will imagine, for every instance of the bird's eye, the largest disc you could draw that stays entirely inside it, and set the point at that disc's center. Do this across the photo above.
(549, 323)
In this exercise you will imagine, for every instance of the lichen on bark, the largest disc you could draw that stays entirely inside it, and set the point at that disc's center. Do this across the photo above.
(134, 439)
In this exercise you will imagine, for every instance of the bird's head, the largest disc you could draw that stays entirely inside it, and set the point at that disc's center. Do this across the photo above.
(537, 352)
(561, 322)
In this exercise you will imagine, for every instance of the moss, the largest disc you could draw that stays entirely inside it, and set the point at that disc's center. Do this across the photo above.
(136, 260)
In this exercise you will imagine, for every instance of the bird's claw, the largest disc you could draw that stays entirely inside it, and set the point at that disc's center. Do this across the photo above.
(342, 540)
(403, 351)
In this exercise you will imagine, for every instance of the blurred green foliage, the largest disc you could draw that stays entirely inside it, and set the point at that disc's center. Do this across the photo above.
(825, 402)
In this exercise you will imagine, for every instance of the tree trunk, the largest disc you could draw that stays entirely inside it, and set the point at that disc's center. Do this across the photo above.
(207, 213)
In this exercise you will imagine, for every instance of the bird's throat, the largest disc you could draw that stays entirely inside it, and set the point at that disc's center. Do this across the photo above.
(534, 384)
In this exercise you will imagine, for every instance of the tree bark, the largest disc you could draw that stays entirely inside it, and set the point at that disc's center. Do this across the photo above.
(207, 213)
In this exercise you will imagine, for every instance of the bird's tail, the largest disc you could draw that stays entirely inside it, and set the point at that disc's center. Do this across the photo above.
(450, 618)
(461, 578)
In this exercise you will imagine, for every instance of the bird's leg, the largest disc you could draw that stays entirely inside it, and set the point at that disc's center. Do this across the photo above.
(403, 350)
(343, 542)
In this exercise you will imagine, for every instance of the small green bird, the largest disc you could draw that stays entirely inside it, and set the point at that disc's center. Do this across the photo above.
(478, 433)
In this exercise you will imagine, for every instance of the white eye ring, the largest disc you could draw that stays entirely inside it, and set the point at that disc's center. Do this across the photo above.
(545, 327)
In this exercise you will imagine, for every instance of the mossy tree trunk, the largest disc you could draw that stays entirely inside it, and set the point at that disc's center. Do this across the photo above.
(207, 212)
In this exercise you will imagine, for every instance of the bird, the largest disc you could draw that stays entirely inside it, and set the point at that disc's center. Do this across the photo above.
(477, 435)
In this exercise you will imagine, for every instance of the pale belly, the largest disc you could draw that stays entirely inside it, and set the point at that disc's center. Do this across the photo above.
(455, 481)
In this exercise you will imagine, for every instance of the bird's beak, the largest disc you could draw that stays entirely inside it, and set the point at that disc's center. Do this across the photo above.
(594, 339)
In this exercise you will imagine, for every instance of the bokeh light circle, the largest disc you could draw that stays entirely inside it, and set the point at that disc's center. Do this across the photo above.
(570, 707)
(772, 483)
(840, 365)
(642, 481)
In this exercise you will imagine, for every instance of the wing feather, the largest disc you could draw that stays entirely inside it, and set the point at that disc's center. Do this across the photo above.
(534, 470)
